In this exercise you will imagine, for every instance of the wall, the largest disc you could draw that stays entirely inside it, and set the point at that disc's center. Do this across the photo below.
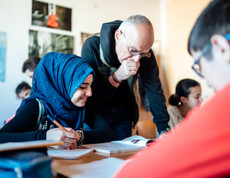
(172, 21)
(87, 16)
(178, 24)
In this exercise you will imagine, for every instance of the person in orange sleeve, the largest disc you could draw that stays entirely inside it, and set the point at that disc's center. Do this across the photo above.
(199, 146)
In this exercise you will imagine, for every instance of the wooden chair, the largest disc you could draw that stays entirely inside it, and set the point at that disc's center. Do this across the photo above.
(146, 128)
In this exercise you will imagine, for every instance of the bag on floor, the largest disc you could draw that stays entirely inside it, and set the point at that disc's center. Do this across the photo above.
(25, 164)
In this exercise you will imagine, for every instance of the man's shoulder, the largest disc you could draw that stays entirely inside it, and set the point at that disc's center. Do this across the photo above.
(91, 51)
(93, 40)
(90, 46)
(220, 99)
(214, 110)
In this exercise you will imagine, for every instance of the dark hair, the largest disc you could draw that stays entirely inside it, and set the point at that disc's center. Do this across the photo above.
(213, 20)
(182, 89)
(22, 86)
(31, 63)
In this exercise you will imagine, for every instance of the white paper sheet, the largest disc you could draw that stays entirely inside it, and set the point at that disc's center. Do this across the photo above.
(69, 154)
(104, 168)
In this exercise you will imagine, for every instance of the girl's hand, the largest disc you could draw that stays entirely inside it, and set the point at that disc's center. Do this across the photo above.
(69, 138)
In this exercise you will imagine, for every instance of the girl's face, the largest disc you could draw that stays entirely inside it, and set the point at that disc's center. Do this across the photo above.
(83, 92)
(24, 94)
(194, 98)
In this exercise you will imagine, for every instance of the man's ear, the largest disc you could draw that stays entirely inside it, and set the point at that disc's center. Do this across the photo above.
(221, 45)
(183, 99)
(118, 34)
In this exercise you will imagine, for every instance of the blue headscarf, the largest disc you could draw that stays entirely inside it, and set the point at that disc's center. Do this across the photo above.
(55, 80)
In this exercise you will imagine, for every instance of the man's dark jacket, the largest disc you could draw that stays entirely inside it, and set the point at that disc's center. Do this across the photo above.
(105, 95)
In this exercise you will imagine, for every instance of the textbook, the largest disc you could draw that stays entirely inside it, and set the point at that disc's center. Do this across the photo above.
(127, 145)
(27, 145)
(69, 154)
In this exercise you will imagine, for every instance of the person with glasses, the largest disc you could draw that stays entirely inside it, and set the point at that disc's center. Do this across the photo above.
(199, 146)
(120, 55)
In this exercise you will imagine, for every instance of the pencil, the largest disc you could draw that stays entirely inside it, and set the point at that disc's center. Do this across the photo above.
(56, 122)
(60, 126)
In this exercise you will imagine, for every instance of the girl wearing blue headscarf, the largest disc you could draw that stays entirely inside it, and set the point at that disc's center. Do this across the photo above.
(61, 85)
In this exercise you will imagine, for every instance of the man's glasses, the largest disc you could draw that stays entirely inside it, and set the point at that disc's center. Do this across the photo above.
(196, 65)
(133, 52)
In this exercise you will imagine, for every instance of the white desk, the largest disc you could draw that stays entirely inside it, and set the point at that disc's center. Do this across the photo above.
(67, 167)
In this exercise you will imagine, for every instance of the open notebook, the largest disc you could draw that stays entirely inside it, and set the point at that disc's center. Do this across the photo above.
(69, 154)
(130, 144)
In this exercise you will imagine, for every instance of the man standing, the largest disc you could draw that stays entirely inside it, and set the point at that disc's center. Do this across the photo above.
(121, 55)
(199, 146)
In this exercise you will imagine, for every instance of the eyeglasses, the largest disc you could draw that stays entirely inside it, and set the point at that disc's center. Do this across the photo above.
(133, 52)
(196, 65)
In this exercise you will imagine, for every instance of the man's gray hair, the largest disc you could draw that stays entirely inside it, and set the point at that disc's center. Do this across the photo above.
(135, 20)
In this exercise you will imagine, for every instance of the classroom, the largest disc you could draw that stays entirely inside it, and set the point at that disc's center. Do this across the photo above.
(27, 30)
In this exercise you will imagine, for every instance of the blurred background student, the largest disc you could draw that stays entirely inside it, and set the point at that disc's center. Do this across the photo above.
(23, 90)
(29, 65)
(187, 96)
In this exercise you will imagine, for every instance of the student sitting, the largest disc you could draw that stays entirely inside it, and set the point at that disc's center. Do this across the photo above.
(61, 86)
(23, 90)
(187, 96)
